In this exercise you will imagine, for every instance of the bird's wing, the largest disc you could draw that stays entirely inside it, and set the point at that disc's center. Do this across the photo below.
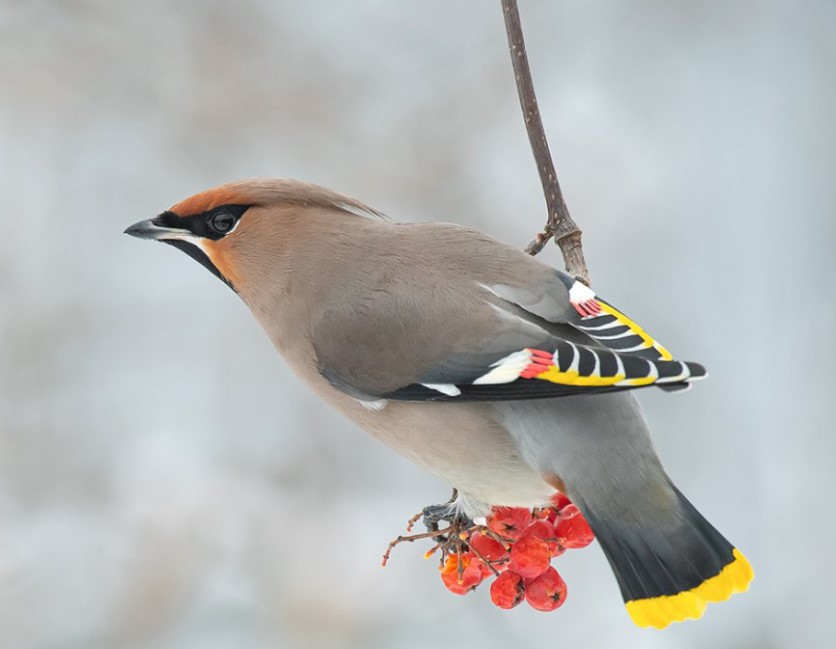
(560, 298)
(414, 341)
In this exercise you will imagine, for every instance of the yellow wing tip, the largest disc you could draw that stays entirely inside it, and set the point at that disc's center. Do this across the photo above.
(659, 612)
(664, 353)
(647, 339)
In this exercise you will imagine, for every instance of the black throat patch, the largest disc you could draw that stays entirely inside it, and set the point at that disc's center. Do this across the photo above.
(193, 251)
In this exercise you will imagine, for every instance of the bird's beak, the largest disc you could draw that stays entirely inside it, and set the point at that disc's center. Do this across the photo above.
(152, 229)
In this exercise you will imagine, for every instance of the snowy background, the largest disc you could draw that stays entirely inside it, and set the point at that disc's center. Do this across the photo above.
(165, 482)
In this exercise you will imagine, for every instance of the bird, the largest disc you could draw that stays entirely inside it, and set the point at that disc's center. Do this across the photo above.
(502, 375)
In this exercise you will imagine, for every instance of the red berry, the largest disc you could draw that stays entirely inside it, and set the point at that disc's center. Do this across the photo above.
(470, 577)
(508, 521)
(486, 569)
(572, 530)
(559, 500)
(487, 546)
(544, 531)
(530, 557)
(551, 514)
(507, 590)
(547, 592)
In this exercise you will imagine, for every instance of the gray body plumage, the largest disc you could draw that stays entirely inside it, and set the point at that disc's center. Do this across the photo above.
(418, 295)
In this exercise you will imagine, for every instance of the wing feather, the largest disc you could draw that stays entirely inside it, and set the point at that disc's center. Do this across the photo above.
(469, 340)
(541, 374)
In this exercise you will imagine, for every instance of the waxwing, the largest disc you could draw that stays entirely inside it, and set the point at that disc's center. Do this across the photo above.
(502, 375)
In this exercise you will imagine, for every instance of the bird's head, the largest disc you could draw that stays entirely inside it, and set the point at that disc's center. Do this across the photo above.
(234, 228)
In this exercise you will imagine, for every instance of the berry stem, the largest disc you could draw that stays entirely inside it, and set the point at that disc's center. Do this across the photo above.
(482, 558)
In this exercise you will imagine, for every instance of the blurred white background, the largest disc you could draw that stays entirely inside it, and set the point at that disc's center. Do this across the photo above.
(165, 482)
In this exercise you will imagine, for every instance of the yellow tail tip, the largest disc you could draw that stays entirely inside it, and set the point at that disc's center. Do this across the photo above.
(659, 612)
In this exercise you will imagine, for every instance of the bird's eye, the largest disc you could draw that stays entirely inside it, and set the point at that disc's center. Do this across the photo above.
(221, 222)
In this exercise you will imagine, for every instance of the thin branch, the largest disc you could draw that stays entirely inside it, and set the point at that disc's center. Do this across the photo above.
(559, 224)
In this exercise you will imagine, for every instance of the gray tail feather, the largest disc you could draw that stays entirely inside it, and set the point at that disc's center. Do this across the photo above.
(651, 561)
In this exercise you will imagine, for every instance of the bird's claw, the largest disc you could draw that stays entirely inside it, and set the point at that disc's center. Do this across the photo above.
(431, 516)
(449, 513)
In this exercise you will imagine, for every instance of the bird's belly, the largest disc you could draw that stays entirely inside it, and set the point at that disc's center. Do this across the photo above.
(462, 444)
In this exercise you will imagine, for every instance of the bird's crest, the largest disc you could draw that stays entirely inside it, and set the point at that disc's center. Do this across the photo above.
(272, 191)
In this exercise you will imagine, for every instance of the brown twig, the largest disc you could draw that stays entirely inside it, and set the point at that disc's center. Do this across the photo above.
(411, 539)
(411, 522)
(559, 224)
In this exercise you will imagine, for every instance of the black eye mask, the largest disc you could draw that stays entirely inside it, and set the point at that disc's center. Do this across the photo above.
(213, 224)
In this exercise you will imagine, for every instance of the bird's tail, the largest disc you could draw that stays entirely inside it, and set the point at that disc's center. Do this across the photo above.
(671, 575)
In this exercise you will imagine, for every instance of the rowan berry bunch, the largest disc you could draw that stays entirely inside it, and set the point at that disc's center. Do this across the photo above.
(515, 548)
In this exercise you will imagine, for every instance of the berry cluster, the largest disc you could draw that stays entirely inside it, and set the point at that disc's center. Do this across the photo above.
(516, 547)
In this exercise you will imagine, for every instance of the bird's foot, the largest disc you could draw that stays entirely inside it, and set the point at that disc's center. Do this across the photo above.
(451, 538)
(447, 512)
